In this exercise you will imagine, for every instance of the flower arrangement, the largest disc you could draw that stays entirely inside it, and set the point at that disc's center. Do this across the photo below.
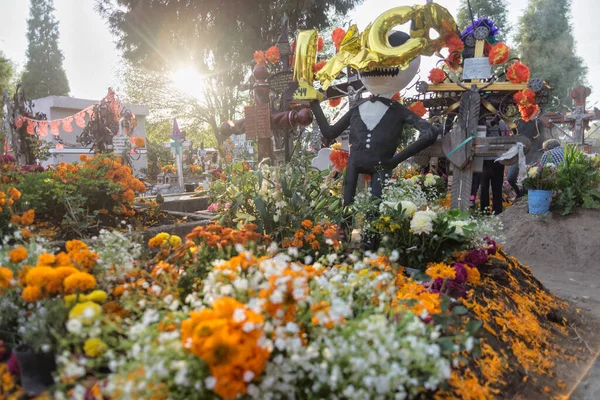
(541, 177)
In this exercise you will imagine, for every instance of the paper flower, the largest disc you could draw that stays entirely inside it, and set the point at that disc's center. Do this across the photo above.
(320, 44)
(339, 159)
(259, 57)
(318, 66)
(518, 73)
(337, 36)
(529, 112)
(273, 55)
(453, 43)
(418, 108)
(499, 54)
(524, 98)
(437, 75)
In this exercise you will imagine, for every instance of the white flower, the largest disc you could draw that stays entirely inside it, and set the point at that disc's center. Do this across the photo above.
(458, 225)
(210, 382)
(429, 180)
(532, 172)
(394, 256)
(422, 222)
(239, 315)
(248, 376)
(408, 207)
(74, 326)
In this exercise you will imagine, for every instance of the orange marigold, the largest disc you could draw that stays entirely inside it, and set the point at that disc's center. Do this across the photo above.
(26, 233)
(18, 254)
(499, 54)
(139, 141)
(39, 276)
(79, 281)
(307, 224)
(14, 193)
(46, 259)
(85, 259)
(27, 218)
(273, 55)
(418, 108)
(55, 283)
(31, 294)
(75, 246)
(518, 73)
(339, 159)
(62, 260)
(6, 276)
(15, 219)
(473, 275)
(437, 75)
(440, 270)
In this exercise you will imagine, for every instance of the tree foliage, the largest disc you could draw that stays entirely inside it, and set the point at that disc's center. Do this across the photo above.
(6, 74)
(44, 74)
(546, 44)
(496, 10)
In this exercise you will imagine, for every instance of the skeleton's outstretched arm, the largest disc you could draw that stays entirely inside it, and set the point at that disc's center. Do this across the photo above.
(330, 132)
(427, 136)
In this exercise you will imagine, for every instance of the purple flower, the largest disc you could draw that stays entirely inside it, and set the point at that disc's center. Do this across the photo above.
(454, 289)
(482, 21)
(32, 168)
(492, 248)
(7, 159)
(477, 256)
(461, 273)
(435, 285)
(13, 365)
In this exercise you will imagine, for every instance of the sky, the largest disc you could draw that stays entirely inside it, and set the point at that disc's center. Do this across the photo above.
(91, 57)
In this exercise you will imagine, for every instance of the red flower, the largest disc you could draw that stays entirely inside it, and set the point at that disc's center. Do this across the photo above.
(335, 102)
(453, 43)
(528, 112)
(453, 60)
(396, 97)
(524, 98)
(367, 178)
(259, 57)
(418, 108)
(337, 36)
(499, 54)
(272, 55)
(320, 44)
(518, 73)
(318, 66)
(437, 75)
(339, 159)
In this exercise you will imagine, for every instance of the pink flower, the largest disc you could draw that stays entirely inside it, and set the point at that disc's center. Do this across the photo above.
(213, 207)
(59, 146)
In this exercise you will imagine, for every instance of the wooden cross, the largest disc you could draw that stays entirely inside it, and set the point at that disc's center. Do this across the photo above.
(178, 157)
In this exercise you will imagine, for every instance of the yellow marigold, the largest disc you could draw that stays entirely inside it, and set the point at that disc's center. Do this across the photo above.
(75, 246)
(80, 281)
(6, 276)
(440, 270)
(71, 299)
(14, 193)
(94, 347)
(87, 312)
(97, 296)
(18, 254)
(175, 240)
(46, 259)
(31, 294)
(39, 276)
(473, 275)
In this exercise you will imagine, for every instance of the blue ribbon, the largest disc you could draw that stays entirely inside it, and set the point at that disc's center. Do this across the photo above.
(461, 144)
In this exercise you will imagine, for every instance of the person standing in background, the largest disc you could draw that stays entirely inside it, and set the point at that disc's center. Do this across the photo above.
(493, 172)
(530, 129)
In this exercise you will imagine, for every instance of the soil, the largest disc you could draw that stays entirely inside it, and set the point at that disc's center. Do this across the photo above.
(564, 254)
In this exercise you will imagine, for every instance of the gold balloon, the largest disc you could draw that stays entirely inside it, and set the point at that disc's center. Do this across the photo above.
(372, 48)
(306, 55)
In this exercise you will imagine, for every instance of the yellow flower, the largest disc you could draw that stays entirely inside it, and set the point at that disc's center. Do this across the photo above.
(18, 254)
(46, 259)
(79, 281)
(31, 294)
(163, 236)
(87, 312)
(175, 240)
(440, 270)
(97, 296)
(94, 347)
(71, 299)
(74, 246)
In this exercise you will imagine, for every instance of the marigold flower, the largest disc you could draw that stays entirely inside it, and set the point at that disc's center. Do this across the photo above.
(31, 294)
(175, 240)
(18, 254)
(14, 219)
(85, 259)
(440, 270)
(39, 276)
(14, 193)
(87, 312)
(307, 224)
(473, 275)
(499, 54)
(437, 75)
(6, 276)
(339, 159)
(518, 73)
(27, 218)
(139, 141)
(259, 57)
(26, 233)
(418, 108)
(94, 347)
(55, 282)
(80, 281)
(273, 55)
(73, 246)
(337, 36)
(46, 259)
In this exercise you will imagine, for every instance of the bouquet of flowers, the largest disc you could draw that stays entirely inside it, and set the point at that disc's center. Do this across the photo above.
(541, 177)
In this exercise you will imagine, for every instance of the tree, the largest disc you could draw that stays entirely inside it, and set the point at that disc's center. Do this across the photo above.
(546, 44)
(6, 74)
(44, 74)
(496, 10)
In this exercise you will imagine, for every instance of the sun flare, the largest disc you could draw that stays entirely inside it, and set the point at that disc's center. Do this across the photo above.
(189, 81)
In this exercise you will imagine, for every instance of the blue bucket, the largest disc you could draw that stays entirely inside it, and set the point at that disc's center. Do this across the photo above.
(539, 201)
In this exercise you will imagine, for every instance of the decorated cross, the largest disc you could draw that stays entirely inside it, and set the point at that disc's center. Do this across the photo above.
(176, 144)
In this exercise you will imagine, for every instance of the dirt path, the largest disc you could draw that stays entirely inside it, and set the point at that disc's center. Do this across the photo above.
(564, 254)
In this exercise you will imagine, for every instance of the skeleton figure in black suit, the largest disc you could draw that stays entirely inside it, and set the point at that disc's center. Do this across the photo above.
(376, 125)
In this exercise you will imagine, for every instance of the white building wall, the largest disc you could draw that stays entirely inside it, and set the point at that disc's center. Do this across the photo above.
(57, 107)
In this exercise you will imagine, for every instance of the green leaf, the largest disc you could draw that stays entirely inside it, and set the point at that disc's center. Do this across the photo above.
(460, 310)
(473, 326)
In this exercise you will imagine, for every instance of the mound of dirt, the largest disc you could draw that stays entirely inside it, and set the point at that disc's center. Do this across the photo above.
(562, 251)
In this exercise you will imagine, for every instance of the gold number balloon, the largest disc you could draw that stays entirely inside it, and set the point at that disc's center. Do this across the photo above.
(306, 55)
(372, 48)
